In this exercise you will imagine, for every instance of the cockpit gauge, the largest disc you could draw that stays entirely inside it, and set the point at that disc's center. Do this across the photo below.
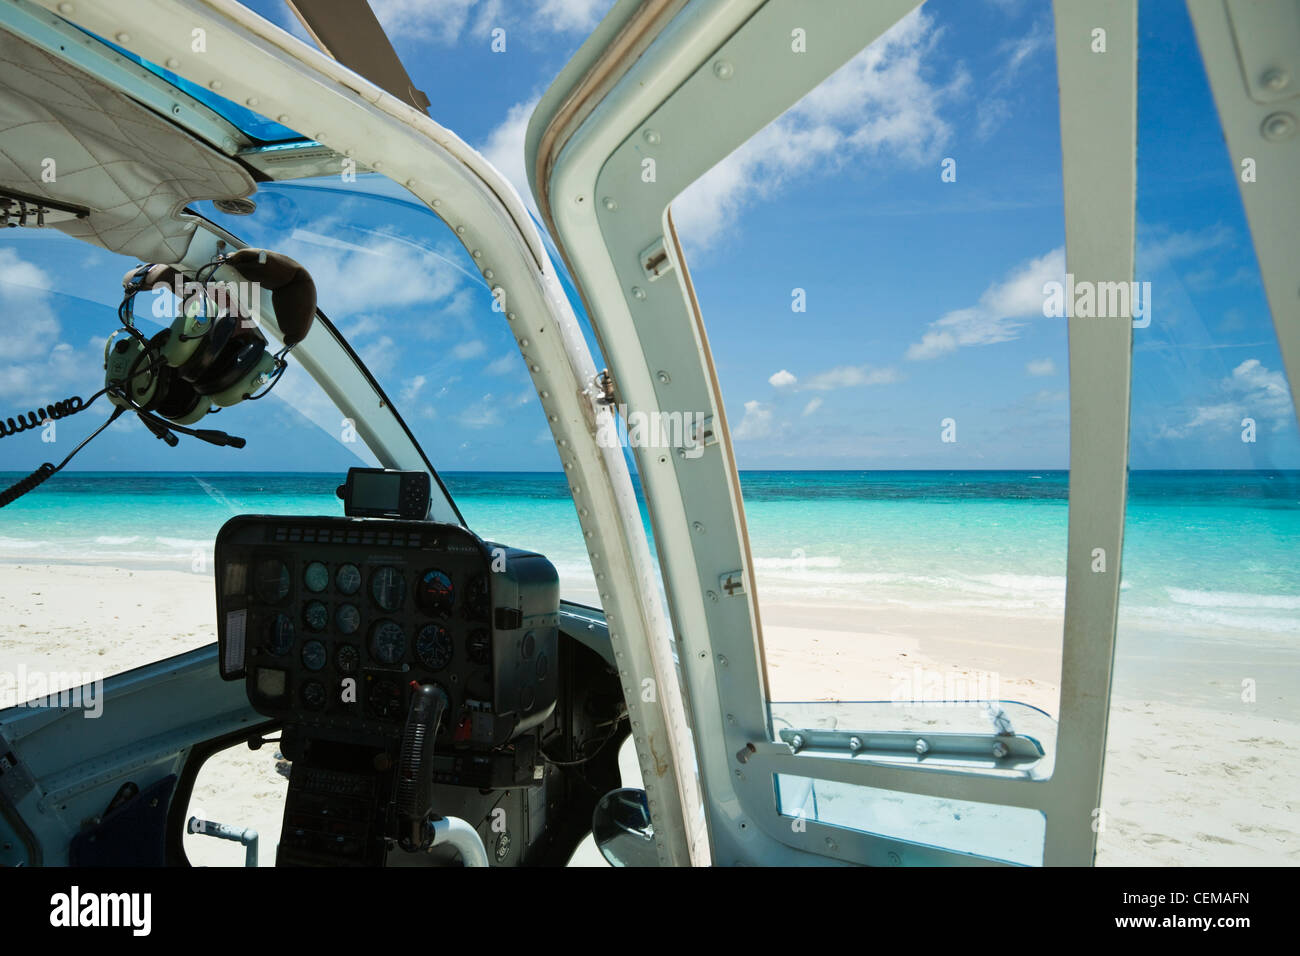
(280, 635)
(387, 642)
(388, 588)
(384, 699)
(479, 647)
(435, 593)
(433, 646)
(347, 619)
(347, 658)
(316, 615)
(348, 579)
(477, 599)
(314, 655)
(314, 694)
(316, 577)
(271, 580)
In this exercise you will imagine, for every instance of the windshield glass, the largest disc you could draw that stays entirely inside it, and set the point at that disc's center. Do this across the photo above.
(412, 304)
(127, 529)
(123, 536)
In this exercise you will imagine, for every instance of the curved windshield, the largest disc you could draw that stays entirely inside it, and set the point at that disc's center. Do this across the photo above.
(412, 304)
(124, 534)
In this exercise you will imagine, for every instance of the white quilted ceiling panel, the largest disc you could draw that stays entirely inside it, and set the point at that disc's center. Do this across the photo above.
(132, 169)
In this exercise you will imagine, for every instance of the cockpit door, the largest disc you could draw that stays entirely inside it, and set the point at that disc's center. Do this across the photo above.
(660, 93)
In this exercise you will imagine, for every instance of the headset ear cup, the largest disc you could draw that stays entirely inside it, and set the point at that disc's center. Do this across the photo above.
(209, 350)
(236, 360)
(176, 398)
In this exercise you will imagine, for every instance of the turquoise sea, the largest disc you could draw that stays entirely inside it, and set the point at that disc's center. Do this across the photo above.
(1205, 551)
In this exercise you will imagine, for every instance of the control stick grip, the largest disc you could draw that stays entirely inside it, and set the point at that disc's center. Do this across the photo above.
(414, 775)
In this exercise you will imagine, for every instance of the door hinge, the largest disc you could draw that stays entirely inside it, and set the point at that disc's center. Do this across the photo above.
(603, 386)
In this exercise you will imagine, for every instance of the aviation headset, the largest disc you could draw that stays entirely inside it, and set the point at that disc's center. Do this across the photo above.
(206, 360)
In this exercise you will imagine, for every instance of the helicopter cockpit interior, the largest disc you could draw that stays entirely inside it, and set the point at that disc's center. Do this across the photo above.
(407, 679)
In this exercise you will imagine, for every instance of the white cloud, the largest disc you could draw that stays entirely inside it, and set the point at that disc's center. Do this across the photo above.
(441, 20)
(360, 326)
(1252, 391)
(53, 376)
(993, 108)
(388, 272)
(1006, 306)
(757, 422)
(38, 367)
(468, 350)
(781, 379)
(17, 271)
(504, 149)
(33, 329)
(411, 389)
(379, 356)
(448, 21)
(504, 365)
(880, 105)
(1040, 368)
(1160, 246)
(482, 414)
(850, 376)
(812, 406)
(571, 15)
(1019, 50)
(1000, 314)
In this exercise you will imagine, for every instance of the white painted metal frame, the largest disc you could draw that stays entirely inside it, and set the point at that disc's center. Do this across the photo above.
(251, 61)
(713, 76)
(1252, 56)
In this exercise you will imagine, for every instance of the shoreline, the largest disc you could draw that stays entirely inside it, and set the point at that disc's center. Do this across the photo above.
(1193, 774)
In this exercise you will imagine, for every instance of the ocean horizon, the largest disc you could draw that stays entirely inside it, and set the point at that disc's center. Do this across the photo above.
(1206, 551)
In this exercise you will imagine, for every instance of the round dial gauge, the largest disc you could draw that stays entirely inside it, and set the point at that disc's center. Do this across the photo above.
(387, 643)
(271, 580)
(313, 694)
(385, 699)
(435, 593)
(480, 647)
(388, 588)
(347, 579)
(433, 646)
(314, 655)
(280, 634)
(347, 619)
(347, 658)
(477, 599)
(316, 577)
(316, 615)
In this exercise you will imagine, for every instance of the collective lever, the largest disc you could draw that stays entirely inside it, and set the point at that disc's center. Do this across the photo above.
(414, 773)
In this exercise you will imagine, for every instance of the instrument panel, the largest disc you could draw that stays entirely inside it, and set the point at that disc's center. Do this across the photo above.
(331, 621)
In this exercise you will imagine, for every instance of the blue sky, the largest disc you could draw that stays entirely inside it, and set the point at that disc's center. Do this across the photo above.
(923, 297)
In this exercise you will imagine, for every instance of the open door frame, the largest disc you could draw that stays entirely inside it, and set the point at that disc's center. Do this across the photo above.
(684, 88)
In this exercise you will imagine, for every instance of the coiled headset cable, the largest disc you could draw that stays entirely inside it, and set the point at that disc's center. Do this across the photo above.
(20, 488)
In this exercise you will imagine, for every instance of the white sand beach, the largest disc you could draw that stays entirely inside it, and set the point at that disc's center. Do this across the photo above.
(1194, 776)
